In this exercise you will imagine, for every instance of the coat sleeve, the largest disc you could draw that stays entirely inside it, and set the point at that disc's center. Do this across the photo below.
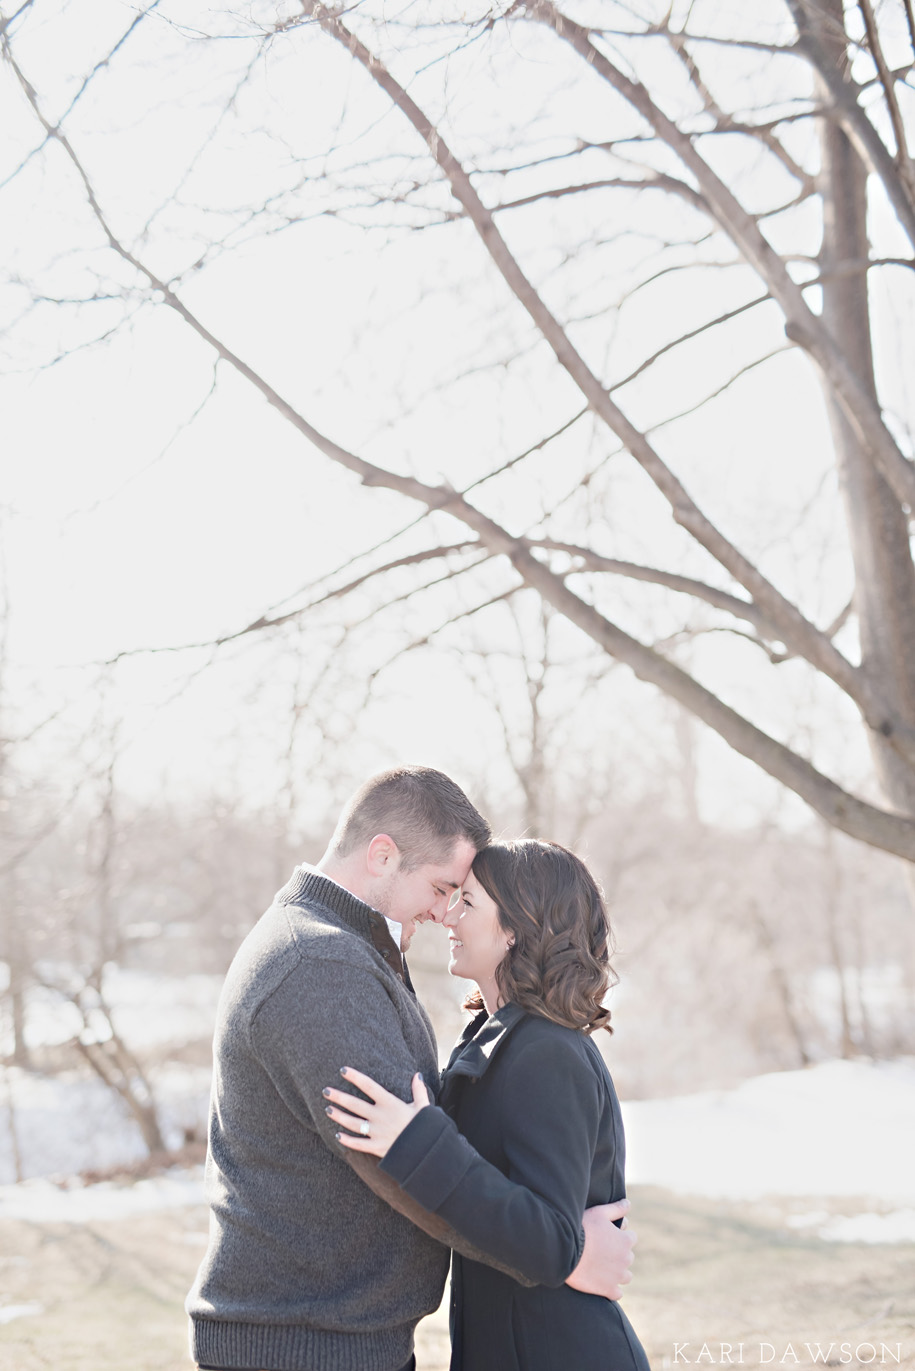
(549, 1108)
(302, 1036)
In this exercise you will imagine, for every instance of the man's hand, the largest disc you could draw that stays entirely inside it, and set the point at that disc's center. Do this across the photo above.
(605, 1262)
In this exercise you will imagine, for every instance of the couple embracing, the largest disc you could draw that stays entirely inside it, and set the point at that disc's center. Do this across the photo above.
(342, 1167)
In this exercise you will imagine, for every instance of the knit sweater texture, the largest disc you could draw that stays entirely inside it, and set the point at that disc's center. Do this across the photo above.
(307, 1269)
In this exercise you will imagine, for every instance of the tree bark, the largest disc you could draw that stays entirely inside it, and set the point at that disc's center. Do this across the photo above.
(15, 953)
(884, 575)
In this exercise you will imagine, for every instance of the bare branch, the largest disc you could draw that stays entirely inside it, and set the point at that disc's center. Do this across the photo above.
(726, 123)
(853, 119)
(263, 621)
(433, 633)
(99, 66)
(656, 182)
(685, 337)
(795, 630)
(719, 390)
(888, 830)
(661, 31)
(802, 326)
(837, 624)
(842, 810)
(888, 83)
(684, 585)
(6, 23)
(535, 447)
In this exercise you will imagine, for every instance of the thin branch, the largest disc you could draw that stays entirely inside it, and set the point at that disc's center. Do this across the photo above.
(163, 452)
(726, 123)
(802, 326)
(853, 119)
(264, 621)
(842, 810)
(684, 585)
(661, 31)
(837, 624)
(656, 182)
(685, 337)
(889, 89)
(535, 447)
(99, 66)
(440, 628)
(719, 390)
(418, 590)
(6, 23)
(796, 631)
(890, 831)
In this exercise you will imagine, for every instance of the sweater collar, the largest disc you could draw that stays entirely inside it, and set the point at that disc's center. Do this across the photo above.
(309, 886)
(481, 1040)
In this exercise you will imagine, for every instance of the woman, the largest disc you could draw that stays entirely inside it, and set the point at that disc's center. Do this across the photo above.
(529, 1092)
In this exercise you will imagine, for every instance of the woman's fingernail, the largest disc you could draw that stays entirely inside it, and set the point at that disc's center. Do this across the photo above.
(343, 1070)
(421, 1077)
(329, 1109)
(338, 1136)
(326, 1091)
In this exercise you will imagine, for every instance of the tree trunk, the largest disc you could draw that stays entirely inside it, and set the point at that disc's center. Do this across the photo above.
(884, 575)
(781, 982)
(15, 953)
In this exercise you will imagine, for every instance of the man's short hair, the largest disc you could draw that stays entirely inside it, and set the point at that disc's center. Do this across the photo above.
(423, 810)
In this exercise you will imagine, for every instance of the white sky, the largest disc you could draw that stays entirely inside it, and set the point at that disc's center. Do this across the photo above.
(125, 526)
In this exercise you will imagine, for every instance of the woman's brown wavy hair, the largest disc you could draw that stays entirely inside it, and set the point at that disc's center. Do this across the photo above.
(559, 964)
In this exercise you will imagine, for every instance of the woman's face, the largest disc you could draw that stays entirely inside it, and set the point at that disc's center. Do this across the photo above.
(478, 941)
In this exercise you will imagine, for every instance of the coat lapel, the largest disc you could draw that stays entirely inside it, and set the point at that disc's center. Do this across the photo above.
(478, 1045)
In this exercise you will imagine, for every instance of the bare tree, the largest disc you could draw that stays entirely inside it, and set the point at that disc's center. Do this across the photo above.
(773, 153)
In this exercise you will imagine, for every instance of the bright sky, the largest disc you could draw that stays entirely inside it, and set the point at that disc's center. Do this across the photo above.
(129, 523)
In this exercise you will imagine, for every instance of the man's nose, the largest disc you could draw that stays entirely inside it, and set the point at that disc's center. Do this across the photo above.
(450, 916)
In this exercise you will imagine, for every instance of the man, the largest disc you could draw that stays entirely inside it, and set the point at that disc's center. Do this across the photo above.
(317, 1261)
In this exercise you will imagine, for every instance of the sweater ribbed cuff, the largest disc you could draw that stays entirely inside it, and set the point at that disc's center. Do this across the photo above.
(293, 1347)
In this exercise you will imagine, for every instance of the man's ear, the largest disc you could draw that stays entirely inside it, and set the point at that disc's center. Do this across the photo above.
(382, 856)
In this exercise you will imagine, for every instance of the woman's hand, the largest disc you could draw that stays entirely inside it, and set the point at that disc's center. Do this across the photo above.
(607, 1256)
(377, 1121)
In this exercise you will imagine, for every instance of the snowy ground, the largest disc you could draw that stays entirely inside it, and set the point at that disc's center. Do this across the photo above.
(148, 1010)
(72, 1122)
(837, 1130)
(840, 1129)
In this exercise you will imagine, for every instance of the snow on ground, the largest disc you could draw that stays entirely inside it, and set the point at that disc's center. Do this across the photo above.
(72, 1122)
(840, 1128)
(67, 1123)
(8, 1312)
(41, 1201)
(844, 1128)
(148, 1009)
(896, 1227)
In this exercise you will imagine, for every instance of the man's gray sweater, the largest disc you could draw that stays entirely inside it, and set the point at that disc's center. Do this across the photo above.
(307, 1268)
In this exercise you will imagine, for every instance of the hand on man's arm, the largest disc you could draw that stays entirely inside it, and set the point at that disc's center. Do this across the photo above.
(305, 1059)
(607, 1257)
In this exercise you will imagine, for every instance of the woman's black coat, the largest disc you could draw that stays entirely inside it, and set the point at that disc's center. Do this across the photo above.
(527, 1136)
